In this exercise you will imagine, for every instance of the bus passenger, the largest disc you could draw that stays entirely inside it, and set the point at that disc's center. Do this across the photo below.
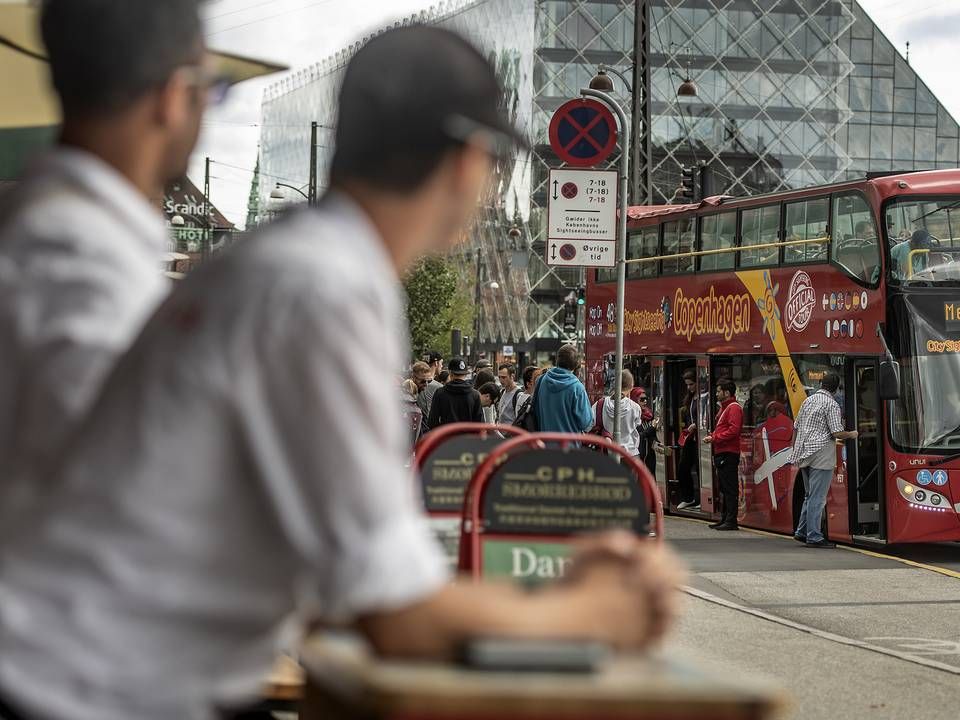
(726, 452)
(689, 492)
(900, 254)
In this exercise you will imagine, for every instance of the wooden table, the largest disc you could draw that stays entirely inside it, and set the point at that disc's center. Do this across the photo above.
(345, 682)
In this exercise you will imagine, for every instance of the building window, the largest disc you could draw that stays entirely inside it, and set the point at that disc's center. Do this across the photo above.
(855, 246)
(717, 233)
(760, 226)
(807, 221)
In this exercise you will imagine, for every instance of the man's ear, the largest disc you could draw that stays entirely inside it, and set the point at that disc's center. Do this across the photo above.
(172, 100)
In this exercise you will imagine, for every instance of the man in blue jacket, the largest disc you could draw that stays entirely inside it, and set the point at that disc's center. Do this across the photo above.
(560, 400)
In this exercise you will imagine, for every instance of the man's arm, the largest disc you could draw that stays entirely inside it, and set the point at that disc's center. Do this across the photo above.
(624, 597)
(476, 409)
(583, 409)
(835, 423)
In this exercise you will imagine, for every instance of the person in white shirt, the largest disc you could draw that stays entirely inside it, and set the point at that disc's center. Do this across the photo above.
(630, 417)
(511, 396)
(82, 237)
(246, 458)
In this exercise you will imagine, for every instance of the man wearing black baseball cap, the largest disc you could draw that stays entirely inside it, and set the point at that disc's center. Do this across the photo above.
(457, 401)
(274, 477)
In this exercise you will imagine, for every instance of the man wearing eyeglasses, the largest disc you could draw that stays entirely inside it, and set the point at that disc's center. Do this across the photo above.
(81, 238)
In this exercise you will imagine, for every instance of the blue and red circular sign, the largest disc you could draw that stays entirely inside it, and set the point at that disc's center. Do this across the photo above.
(583, 132)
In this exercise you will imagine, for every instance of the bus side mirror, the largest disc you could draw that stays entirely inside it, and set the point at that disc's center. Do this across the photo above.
(889, 384)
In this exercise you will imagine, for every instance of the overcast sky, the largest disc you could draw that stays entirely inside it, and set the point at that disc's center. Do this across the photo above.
(301, 32)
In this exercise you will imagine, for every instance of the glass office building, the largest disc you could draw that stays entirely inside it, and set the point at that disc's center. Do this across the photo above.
(790, 93)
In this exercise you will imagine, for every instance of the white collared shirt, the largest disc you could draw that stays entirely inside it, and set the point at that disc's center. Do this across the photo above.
(246, 459)
(80, 272)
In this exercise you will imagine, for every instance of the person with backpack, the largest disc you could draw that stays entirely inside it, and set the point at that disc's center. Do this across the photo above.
(489, 396)
(560, 400)
(511, 395)
(457, 401)
(630, 417)
(526, 418)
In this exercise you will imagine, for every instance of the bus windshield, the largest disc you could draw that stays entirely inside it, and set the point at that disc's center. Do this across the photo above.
(924, 240)
(927, 415)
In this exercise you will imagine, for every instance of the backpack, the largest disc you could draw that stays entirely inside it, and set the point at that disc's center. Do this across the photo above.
(598, 428)
(526, 415)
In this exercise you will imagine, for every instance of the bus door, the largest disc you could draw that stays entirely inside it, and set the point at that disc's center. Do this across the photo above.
(709, 499)
(674, 393)
(658, 407)
(864, 464)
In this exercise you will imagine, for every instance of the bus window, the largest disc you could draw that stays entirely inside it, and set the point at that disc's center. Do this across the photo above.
(855, 247)
(718, 232)
(643, 244)
(760, 227)
(678, 238)
(807, 221)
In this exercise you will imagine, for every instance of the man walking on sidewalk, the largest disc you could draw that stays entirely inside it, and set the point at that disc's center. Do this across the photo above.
(560, 401)
(819, 423)
(726, 452)
(512, 395)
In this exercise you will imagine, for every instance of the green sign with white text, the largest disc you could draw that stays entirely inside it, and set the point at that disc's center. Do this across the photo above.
(525, 561)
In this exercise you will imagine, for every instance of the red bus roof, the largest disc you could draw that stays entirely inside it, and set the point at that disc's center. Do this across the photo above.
(923, 182)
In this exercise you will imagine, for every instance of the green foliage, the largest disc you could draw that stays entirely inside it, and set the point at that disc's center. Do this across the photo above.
(437, 302)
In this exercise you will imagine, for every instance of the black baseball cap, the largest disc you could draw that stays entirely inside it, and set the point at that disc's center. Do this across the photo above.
(419, 87)
(457, 366)
(433, 357)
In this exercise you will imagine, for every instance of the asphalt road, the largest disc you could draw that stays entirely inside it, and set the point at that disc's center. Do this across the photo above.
(847, 633)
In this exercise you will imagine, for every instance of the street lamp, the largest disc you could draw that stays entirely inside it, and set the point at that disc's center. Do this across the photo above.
(278, 194)
(602, 82)
(177, 221)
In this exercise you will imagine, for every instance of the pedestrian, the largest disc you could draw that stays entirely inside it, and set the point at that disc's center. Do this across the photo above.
(435, 361)
(687, 475)
(422, 374)
(512, 395)
(560, 400)
(481, 377)
(457, 401)
(412, 414)
(630, 417)
(245, 460)
(81, 237)
(489, 398)
(648, 430)
(443, 377)
(529, 376)
(818, 425)
(526, 418)
(725, 439)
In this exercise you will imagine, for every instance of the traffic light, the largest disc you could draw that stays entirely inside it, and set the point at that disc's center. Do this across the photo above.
(581, 295)
(688, 183)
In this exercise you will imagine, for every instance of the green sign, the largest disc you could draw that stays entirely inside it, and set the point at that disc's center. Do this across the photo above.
(525, 561)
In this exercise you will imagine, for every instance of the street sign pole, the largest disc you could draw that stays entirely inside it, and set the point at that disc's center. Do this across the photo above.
(609, 101)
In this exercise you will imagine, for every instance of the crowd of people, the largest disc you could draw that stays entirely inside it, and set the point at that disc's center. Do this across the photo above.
(193, 476)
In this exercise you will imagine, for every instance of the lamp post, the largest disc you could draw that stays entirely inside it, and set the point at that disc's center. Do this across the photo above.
(277, 193)
(603, 82)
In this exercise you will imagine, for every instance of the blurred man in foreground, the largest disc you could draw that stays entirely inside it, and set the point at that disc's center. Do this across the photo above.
(246, 457)
(82, 237)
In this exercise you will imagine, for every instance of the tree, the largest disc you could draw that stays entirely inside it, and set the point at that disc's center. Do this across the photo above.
(437, 302)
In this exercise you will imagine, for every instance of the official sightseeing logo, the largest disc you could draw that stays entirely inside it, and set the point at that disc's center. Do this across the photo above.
(800, 302)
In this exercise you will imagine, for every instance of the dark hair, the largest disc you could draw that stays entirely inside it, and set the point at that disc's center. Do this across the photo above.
(862, 225)
(568, 358)
(483, 377)
(433, 357)
(690, 375)
(510, 368)
(106, 54)
(528, 372)
(728, 386)
(443, 376)
(830, 382)
(396, 94)
(490, 389)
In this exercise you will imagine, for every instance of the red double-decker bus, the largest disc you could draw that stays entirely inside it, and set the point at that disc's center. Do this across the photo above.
(775, 291)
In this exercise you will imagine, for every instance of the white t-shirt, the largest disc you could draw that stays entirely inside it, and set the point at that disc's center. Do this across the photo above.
(246, 459)
(80, 273)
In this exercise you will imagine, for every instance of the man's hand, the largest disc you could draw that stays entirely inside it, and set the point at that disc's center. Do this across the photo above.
(692, 427)
(708, 439)
(629, 586)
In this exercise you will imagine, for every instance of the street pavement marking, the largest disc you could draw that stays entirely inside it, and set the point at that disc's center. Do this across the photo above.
(823, 634)
(912, 563)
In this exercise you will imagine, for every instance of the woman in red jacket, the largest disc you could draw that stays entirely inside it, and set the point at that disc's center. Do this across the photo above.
(726, 451)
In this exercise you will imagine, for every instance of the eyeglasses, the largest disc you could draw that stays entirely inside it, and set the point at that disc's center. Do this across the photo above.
(642, 398)
(216, 86)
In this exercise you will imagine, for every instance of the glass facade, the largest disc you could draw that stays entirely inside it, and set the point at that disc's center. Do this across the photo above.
(790, 93)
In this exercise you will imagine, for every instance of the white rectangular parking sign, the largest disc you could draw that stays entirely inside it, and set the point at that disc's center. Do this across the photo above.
(582, 218)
